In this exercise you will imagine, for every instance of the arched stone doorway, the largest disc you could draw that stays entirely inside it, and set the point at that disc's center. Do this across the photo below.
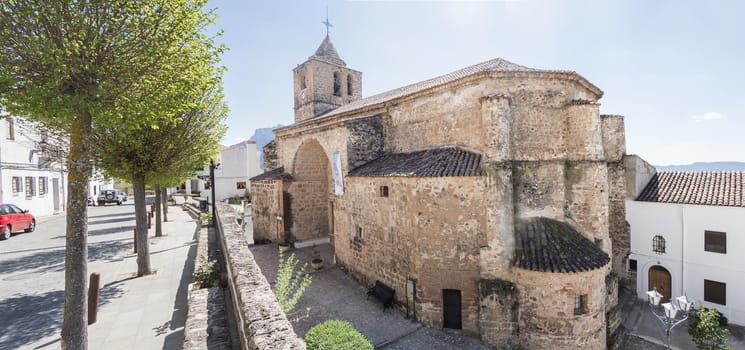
(660, 278)
(309, 192)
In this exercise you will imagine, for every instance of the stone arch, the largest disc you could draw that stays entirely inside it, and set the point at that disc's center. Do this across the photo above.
(310, 192)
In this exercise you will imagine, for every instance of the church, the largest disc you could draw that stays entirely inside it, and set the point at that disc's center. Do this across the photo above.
(490, 198)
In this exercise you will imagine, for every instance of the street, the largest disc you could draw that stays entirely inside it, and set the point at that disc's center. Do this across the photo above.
(32, 280)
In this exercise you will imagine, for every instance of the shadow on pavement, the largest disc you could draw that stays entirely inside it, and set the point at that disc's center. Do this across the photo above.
(175, 340)
(54, 260)
(29, 318)
(110, 215)
(130, 217)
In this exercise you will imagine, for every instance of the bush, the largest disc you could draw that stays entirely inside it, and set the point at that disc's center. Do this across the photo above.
(336, 335)
(204, 276)
(706, 328)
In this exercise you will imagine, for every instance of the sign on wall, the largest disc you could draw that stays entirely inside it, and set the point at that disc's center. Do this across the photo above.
(338, 182)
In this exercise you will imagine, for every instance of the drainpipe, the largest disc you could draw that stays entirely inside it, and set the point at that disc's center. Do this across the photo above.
(683, 250)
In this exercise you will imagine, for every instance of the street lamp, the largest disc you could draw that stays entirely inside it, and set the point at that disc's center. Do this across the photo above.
(675, 311)
(212, 188)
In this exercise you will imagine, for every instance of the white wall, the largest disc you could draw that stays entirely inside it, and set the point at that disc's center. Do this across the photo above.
(238, 163)
(20, 157)
(689, 264)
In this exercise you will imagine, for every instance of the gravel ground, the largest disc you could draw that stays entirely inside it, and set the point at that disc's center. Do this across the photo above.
(335, 296)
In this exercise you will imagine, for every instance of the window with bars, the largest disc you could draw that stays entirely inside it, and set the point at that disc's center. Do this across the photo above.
(384, 191)
(715, 242)
(241, 185)
(580, 304)
(17, 184)
(42, 185)
(658, 244)
(29, 187)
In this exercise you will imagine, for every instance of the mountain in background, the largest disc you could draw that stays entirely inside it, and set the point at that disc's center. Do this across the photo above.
(263, 136)
(704, 166)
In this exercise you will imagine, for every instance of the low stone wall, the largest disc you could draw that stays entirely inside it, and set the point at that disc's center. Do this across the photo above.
(261, 322)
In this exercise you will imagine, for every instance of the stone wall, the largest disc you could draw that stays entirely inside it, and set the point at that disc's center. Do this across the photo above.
(265, 208)
(425, 229)
(310, 192)
(365, 139)
(500, 313)
(317, 97)
(271, 160)
(547, 319)
(261, 322)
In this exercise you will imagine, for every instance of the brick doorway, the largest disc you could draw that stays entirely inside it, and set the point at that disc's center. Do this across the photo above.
(451, 309)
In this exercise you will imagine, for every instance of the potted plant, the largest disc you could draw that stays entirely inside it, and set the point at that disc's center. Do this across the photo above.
(284, 246)
(315, 258)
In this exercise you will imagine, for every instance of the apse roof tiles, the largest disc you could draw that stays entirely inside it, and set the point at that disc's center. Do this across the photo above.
(548, 245)
(445, 161)
(720, 188)
(275, 174)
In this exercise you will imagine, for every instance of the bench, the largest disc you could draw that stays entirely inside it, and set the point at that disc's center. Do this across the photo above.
(383, 293)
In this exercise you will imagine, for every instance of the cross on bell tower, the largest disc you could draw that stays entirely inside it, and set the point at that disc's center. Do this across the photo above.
(326, 22)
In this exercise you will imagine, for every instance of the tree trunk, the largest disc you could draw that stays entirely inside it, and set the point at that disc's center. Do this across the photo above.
(158, 199)
(143, 247)
(75, 319)
(164, 198)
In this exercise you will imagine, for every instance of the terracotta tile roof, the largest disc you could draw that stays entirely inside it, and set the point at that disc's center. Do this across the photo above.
(496, 64)
(724, 188)
(548, 245)
(444, 161)
(276, 174)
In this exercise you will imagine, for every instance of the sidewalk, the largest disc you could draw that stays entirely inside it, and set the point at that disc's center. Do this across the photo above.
(138, 313)
(151, 312)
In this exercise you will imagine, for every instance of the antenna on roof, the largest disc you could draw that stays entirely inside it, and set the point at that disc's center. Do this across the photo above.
(326, 22)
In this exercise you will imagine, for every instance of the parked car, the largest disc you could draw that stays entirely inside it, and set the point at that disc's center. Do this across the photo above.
(123, 195)
(109, 196)
(14, 219)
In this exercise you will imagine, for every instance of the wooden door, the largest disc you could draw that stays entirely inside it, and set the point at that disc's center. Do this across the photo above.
(451, 309)
(659, 278)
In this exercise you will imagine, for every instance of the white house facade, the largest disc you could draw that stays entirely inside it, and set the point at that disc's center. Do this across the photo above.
(236, 165)
(29, 177)
(687, 237)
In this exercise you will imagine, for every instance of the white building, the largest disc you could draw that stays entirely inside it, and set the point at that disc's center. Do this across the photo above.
(687, 237)
(30, 177)
(236, 165)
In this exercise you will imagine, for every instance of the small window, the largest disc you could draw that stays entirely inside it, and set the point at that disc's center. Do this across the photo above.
(42, 185)
(715, 242)
(241, 185)
(358, 232)
(715, 292)
(580, 304)
(29, 187)
(17, 184)
(337, 84)
(658, 244)
(349, 85)
(632, 265)
(11, 129)
(302, 81)
(384, 191)
(207, 184)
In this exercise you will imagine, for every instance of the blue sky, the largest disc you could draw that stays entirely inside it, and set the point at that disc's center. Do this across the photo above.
(674, 69)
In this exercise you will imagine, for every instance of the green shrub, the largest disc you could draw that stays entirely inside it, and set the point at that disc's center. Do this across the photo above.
(291, 282)
(204, 276)
(336, 335)
(706, 329)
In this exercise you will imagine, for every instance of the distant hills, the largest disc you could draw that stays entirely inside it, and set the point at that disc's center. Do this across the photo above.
(263, 136)
(704, 166)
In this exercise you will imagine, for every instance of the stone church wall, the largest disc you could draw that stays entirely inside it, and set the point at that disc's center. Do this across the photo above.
(265, 208)
(547, 319)
(427, 228)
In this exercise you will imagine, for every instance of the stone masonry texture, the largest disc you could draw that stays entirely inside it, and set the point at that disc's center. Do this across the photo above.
(545, 151)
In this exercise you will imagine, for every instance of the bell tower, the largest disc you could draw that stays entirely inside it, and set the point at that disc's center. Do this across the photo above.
(323, 83)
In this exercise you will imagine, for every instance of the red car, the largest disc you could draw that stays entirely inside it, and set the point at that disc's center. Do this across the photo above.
(14, 219)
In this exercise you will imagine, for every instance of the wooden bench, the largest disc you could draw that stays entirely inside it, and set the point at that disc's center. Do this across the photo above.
(383, 293)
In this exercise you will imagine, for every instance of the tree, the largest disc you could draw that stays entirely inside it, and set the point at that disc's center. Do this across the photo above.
(72, 64)
(706, 329)
(162, 155)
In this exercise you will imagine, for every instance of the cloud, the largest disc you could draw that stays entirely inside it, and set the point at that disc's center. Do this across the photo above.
(709, 116)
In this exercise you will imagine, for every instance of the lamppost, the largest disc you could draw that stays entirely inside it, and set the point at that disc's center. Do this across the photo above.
(212, 188)
(675, 311)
